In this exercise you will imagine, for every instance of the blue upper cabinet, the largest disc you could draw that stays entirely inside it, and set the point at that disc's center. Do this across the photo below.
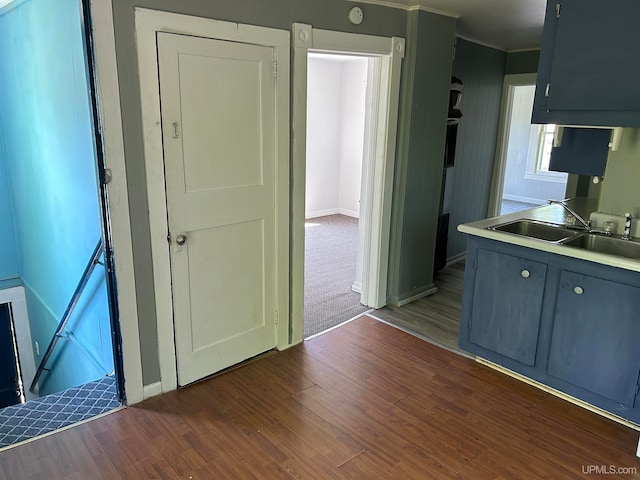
(589, 66)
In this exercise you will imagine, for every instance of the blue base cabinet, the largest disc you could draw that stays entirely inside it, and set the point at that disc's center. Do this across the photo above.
(570, 324)
(508, 328)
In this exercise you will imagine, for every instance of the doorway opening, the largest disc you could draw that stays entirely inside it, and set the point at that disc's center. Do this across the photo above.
(56, 293)
(338, 123)
(383, 57)
(522, 179)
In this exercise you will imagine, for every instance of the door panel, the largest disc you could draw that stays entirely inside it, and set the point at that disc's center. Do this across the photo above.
(218, 115)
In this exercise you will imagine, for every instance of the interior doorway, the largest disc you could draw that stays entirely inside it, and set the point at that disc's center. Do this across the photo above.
(338, 124)
(384, 56)
(522, 178)
(56, 289)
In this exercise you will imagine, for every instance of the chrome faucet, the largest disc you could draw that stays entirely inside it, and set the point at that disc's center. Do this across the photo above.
(586, 224)
(627, 227)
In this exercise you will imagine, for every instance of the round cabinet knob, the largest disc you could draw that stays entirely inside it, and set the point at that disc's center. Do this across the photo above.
(525, 273)
(181, 239)
(578, 290)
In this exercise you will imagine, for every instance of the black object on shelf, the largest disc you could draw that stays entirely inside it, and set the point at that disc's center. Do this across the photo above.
(455, 95)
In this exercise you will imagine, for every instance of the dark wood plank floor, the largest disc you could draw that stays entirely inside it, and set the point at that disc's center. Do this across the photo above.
(435, 318)
(363, 401)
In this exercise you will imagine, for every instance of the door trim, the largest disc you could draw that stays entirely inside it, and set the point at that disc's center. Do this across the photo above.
(377, 187)
(147, 24)
(110, 120)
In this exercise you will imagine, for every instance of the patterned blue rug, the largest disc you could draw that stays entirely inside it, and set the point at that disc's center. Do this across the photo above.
(49, 413)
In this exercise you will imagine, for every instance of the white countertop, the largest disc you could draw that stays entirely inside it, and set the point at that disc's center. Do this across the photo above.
(553, 214)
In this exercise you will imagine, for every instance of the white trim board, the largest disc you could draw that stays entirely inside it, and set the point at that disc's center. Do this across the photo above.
(16, 297)
(377, 180)
(332, 211)
(147, 24)
(110, 121)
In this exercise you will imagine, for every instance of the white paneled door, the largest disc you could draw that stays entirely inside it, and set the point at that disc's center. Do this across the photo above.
(219, 107)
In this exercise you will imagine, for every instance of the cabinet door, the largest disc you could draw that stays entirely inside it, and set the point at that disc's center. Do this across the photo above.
(595, 342)
(590, 58)
(507, 304)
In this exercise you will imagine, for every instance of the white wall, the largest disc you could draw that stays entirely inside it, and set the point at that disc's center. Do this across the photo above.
(619, 190)
(335, 132)
(521, 145)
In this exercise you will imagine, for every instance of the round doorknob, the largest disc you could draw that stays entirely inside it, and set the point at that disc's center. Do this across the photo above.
(578, 290)
(181, 239)
(525, 273)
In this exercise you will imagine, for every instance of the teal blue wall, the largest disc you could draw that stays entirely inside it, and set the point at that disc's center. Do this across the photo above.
(45, 117)
(9, 267)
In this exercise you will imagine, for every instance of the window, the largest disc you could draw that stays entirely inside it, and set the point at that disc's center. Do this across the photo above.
(545, 144)
(540, 145)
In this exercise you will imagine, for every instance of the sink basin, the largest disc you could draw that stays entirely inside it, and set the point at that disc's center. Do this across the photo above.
(609, 245)
(534, 229)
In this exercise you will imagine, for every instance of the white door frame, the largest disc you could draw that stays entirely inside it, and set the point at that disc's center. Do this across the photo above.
(377, 191)
(110, 122)
(500, 161)
(148, 23)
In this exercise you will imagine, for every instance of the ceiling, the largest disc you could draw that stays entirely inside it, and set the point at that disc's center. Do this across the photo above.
(508, 25)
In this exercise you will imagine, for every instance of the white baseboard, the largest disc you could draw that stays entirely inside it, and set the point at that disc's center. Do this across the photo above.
(518, 198)
(332, 211)
(151, 390)
(322, 213)
(356, 287)
(417, 296)
(349, 213)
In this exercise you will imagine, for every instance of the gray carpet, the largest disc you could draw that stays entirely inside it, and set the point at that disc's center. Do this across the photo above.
(331, 245)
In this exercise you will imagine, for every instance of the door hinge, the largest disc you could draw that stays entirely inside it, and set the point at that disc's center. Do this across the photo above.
(276, 317)
(275, 69)
(546, 90)
(558, 6)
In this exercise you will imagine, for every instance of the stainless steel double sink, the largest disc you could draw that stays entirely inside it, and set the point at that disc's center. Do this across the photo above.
(554, 233)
